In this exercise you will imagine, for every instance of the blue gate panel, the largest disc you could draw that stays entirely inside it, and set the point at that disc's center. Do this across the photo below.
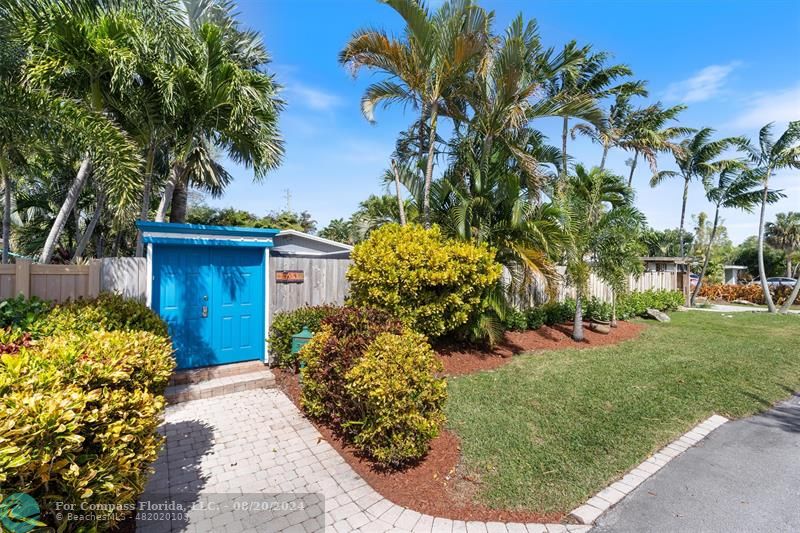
(212, 298)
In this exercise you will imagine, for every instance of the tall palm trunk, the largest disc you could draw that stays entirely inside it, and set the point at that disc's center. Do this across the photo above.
(564, 157)
(6, 210)
(683, 212)
(605, 154)
(762, 272)
(87, 234)
(175, 175)
(633, 167)
(792, 297)
(789, 269)
(148, 185)
(400, 206)
(613, 308)
(577, 326)
(180, 200)
(706, 258)
(66, 208)
(426, 194)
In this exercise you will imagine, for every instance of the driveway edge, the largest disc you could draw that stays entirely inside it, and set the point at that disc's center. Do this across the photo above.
(615, 492)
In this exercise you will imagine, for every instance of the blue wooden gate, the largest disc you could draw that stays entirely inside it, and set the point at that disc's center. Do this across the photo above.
(211, 294)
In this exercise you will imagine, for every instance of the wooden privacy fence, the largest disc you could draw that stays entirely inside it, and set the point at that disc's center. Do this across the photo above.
(323, 282)
(60, 283)
(537, 294)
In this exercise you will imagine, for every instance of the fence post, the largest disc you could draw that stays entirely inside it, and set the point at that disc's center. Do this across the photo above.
(22, 277)
(94, 278)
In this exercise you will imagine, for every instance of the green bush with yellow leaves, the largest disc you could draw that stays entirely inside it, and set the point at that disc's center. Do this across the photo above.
(79, 412)
(433, 284)
(376, 383)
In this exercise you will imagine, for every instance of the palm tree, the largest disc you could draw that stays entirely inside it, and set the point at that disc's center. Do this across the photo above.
(587, 78)
(771, 155)
(225, 105)
(86, 51)
(646, 134)
(512, 91)
(696, 158)
(737, 188)
(608, 133)
(426, 70)
(596, 203)
(784, 234)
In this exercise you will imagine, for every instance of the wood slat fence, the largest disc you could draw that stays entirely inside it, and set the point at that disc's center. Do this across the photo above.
(324, 282)
(537, 293)
(60, 283)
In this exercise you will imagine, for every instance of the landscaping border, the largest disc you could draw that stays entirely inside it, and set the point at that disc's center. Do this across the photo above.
(614, 493)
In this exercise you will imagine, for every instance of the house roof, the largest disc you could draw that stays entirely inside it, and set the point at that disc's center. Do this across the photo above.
(665, 259)
(315, 238)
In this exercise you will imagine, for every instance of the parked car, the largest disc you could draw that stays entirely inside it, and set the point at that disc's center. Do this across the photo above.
(777, 282)
(693, 279)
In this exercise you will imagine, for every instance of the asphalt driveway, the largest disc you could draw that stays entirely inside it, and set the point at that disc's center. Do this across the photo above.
(745, 476)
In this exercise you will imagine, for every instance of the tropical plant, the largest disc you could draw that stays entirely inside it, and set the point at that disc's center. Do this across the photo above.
(784, 234)
(736, 188)
(609, 132)
(596, 203)
(696, 158)
(228, 103)
(771, 155)
(646, 133)
(426, 69)
(587, 78)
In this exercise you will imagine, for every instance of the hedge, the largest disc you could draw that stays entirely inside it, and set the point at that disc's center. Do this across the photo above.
(79, 409)
(751, 292)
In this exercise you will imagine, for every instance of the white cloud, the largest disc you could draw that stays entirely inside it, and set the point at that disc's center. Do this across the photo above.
(313, 98)
(704, 85)
(780, 106)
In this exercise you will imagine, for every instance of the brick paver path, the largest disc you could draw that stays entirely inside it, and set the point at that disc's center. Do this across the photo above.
(229, 457)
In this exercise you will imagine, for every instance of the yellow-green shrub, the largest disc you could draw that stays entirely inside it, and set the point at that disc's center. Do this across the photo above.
(395, 387)
(78, 418)
(108, 311)
(431, 283)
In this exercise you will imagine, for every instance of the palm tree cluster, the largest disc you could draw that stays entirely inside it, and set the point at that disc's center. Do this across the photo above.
(491, 176)
(114, 108)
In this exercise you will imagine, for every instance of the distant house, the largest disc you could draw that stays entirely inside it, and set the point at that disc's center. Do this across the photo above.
(289, 242)
(732, 273)
(666, 264)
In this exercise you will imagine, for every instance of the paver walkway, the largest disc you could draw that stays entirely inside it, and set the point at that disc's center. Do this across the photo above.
(744, 477)
(250, 461)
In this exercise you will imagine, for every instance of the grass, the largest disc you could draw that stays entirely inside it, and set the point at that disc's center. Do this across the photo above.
(550, 429)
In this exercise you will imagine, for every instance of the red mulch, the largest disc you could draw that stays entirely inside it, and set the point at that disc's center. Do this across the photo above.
(437, 485)
(460, 360)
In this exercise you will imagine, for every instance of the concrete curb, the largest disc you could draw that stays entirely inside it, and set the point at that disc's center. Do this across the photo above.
(614, 493)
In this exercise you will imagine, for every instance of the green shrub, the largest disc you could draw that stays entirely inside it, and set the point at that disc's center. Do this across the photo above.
(79, 413)
(22, 313)
(515, 320)
(108, 311)
(597, 309)
(637, 303)
(343, 338)
(284, 325)
(558, 312)
(374, 381)
(432, 284)
(535, 317)
(400, 399)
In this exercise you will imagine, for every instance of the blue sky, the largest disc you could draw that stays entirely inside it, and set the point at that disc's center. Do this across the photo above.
(735, 63)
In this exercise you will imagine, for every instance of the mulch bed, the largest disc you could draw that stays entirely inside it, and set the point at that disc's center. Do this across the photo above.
(437, 485)
(460, 360)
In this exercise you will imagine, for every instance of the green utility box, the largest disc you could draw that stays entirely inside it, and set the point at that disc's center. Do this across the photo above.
(300, 339)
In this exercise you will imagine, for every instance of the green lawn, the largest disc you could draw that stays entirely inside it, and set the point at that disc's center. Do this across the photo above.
(549, 429)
